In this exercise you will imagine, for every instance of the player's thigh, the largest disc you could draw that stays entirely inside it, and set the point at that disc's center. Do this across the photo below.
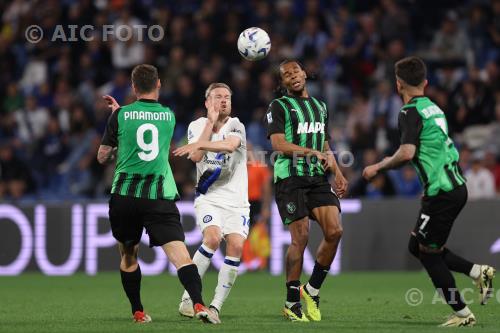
(126, 224)
(162, 221)
(436, 217)
(236, 221)
(290, 199)
(321, 194)
(328, 218)
(209, 219)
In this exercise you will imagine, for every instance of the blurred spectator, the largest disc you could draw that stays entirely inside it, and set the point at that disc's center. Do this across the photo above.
(31, 121)
(472, 105)
(394, 23)
(348, 51)
(383, 109)
(450, 44)
(381, 186)
(406, 181)
(52, 151)
(15, 175)
(127, 52)
(465, 159)
(14, 99)
(259, 186)
(310, 41)
(492, 164)
(480, 181)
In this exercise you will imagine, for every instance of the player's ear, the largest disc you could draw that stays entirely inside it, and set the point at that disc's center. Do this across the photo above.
(398, 85)
(158, 84)
(133, 89)
(425, 83)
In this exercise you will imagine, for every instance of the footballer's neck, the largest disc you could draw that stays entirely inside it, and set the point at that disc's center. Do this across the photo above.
(151, 96)
(408, 94)
(301, 93)
(220, 122)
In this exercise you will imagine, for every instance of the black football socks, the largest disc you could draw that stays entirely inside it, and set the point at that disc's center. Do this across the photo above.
(442, 279)
(190, 279)
(131, 282)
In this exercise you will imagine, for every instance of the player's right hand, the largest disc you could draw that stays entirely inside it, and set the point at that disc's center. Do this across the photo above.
(112, 103)
(212, 114)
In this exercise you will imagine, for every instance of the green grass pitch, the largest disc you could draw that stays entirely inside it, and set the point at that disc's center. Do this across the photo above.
(350, 302)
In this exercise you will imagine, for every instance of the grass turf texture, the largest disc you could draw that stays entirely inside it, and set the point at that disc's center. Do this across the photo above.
(350, 302)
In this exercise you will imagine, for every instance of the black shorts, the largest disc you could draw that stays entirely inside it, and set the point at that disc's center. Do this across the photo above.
(129, 215)
(437, 215)
(296, 196)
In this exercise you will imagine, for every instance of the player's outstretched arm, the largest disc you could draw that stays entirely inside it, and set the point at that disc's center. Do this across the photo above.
(228, 145)
(405, 153)
(280, 144)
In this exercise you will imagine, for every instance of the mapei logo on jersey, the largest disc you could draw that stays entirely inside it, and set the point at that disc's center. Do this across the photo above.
(306, 127)
(207, 218)
(190, 135)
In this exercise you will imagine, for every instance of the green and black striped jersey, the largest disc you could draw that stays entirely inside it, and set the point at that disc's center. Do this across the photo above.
(423, 124)
(304, 121)
(142, 131)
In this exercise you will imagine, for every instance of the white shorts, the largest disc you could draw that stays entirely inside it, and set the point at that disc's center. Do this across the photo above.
(230, 220)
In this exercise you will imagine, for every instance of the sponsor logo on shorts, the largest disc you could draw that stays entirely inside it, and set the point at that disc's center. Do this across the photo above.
(207, 218)
(291, 208)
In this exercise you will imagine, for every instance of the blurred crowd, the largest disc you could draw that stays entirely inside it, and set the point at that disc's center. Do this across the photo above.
(52, 115)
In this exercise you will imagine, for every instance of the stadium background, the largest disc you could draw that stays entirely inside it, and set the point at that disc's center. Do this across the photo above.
(52, 117)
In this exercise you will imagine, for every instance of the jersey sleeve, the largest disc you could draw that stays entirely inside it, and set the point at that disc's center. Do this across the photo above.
(410, 125)
(238, 130)
(110, 137)
(327, 120)
(195, 129)
(275, 119)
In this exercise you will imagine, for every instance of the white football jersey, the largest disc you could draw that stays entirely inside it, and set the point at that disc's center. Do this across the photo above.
(227, 184)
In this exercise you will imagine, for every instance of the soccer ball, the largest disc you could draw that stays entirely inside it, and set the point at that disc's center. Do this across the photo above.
(254, 44)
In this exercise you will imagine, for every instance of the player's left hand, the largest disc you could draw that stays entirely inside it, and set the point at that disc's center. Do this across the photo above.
(370, 171)
(188, 150)
(340, 184)
(112, 103)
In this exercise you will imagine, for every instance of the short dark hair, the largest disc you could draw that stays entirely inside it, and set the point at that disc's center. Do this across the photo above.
(411, 70)
(144, 78)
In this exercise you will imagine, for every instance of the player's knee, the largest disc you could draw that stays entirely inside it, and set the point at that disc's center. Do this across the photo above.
(234, 249)
(334, 234)
(300, 241)
(128, 261)
(413, 247)
(212, 240)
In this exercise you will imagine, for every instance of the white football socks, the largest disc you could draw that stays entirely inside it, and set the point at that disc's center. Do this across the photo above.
(464, 312)
(311, 290)
(227, 275)
(475, 272)
(202, 261)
